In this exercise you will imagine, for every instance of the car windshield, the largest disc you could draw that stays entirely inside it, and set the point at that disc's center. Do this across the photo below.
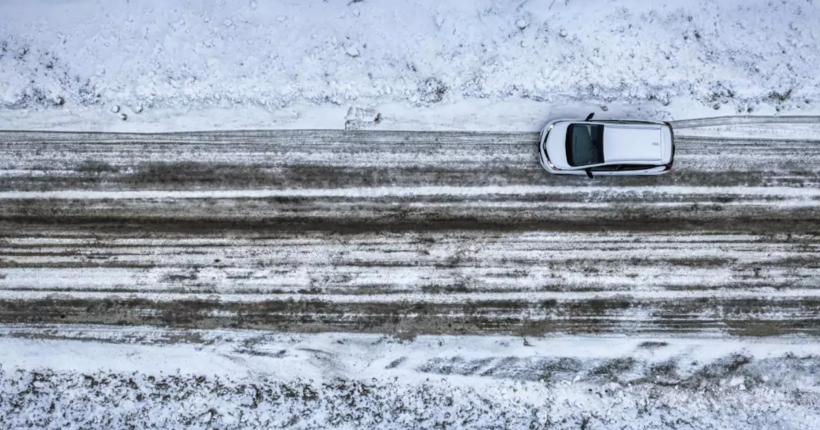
(585, 144)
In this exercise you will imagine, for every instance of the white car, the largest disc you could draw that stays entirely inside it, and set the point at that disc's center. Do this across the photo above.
(607, 147)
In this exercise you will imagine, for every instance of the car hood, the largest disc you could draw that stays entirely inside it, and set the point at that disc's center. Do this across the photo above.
(557, 145)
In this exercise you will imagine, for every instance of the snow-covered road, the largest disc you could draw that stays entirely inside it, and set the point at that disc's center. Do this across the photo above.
(409, 233)
(327, 269)
(407, 280)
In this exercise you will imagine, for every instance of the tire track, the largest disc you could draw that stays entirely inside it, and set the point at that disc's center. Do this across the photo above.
(745, 120)
(345, 159)
(404, 232)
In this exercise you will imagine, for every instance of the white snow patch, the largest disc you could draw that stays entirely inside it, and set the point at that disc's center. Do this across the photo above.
(800, 195)
(155, 378)
(206, 66)
(352, 51)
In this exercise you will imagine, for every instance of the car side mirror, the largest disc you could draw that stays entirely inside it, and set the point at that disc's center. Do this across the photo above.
(589, 173)
(589, 117)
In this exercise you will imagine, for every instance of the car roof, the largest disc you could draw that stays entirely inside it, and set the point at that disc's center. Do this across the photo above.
(633, 143)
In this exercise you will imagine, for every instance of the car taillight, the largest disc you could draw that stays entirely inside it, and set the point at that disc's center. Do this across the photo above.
(672, 135)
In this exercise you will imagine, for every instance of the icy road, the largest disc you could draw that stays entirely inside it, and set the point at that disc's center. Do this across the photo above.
(409, 233)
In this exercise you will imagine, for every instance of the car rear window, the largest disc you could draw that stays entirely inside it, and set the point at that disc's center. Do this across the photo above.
(585, 144)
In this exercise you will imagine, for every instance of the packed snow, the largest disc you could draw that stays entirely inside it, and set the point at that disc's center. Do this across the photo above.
(152, 65)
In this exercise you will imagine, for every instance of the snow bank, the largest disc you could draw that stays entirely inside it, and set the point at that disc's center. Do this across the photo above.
(153, 378)
(457, 65)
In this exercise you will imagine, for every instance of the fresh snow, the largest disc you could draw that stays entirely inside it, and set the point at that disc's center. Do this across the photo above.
(58, 377)
(484, 64)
